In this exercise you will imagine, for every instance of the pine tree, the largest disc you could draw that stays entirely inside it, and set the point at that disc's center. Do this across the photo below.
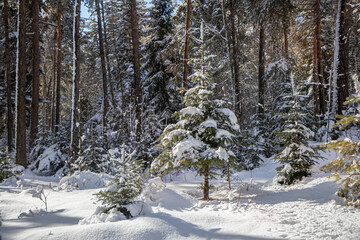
(202, 137)
(347, 168)
(126, 184)
(296, 156)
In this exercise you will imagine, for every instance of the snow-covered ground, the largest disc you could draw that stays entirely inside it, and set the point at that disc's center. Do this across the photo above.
(260, 210)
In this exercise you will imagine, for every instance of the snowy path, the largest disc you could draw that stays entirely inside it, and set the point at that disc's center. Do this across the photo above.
(308, 210)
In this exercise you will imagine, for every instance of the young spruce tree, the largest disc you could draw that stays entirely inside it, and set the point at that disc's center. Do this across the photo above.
(126, 184)
(347, 167)
(201, 138)
(296, 156)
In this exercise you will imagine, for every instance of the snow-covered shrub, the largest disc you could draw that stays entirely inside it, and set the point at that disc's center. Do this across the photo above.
(84, 180)
(93, 156)
(50, 153)
(6, 165)
(126, 184)
(347, 167)
(202, 137)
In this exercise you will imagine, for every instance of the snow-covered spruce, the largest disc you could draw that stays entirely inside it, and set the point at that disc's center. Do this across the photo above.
(201, 138)
(347, 168)
(126, 185)
(296, 156)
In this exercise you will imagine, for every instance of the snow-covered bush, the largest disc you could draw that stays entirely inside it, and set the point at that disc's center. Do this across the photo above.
(202, 137)
(126, 184)
(347, 167)
(6, 165)
(84, 180)
(50, 153)
(93, 156)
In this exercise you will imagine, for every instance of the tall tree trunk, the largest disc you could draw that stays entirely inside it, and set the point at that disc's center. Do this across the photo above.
(36, 73)
(136, 56)
(20, 117)
(206, 183)
(106, 47)
(53, 87)
(228, 47)
(58, 65)
(261, 77)
(7, 77)
(75, 115)
(187, 45)
(318, 60)
(235, 63)
(343, 70)
(103, 64)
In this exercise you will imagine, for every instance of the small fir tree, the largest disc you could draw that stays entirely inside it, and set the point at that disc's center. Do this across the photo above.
(127, 182)
(6, 165)
(201, 138)
(296, 156)
(347, 168)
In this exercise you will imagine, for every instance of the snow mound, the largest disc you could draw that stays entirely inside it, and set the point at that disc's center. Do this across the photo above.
(137, 208)
(84, 180)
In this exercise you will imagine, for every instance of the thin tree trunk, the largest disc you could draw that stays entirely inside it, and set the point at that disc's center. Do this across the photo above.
(58, 64)
(7, 78)
(20, 117)
(36, 73)
(335, 72)
(261, 80)
(318, 64)
(187, 45)
(343, 81)
(103, 64)
(136, 56)
(228, 47)
(106, 46)
(235, 59)
(75, 115)
(53, 88)
(206, 184)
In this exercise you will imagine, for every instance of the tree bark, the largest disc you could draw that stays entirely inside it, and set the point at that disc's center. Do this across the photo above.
(75, 115)
(36, 73)
(58, 66)
(8, 78)
(206, 184)
(318, 61)
(103, 64)
(261, 77)
(106, 48)
(343, 70)
(53, 87)
(235, 63)
(136, 61)
(187, 45)
(20, 117)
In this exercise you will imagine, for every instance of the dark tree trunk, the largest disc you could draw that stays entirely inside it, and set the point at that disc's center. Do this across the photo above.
(187, 45)
(106, 48)
(103, 64)
(206, 184)
(261, 80)
(318, 62)
(136, 56)
(235, 63)
(58, 66)
(75, 115)
(36, 73)
(343, 69)
(20, 118)
(7, 78)
(53, 88)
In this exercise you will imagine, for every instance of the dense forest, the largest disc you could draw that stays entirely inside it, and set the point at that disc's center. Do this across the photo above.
(214, 86)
